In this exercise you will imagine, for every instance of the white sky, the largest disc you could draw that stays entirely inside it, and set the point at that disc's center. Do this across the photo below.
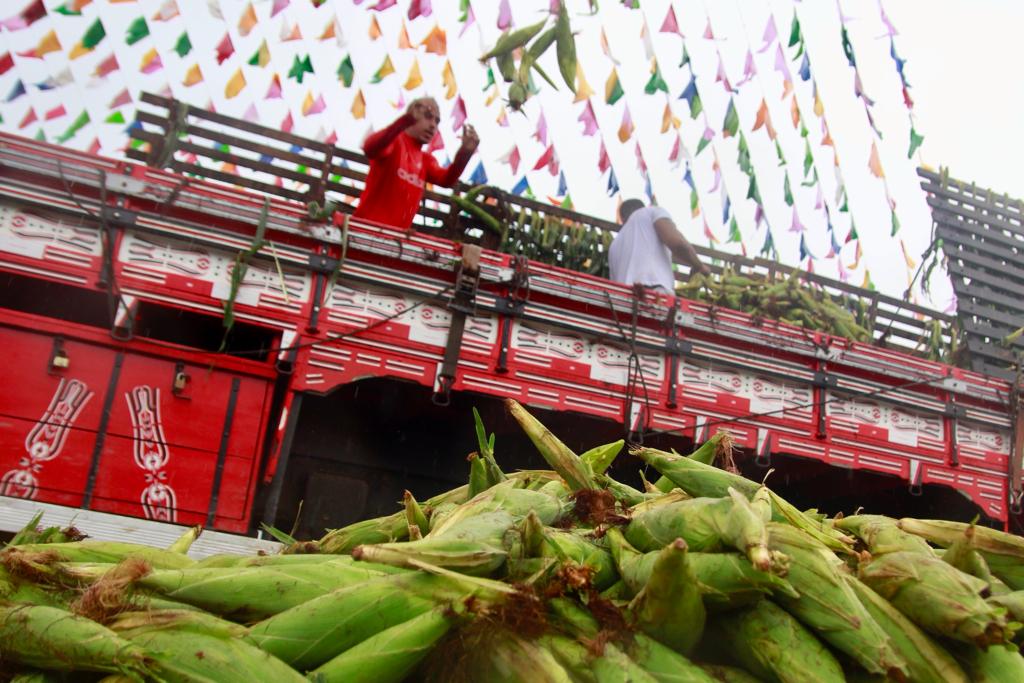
(967, 110)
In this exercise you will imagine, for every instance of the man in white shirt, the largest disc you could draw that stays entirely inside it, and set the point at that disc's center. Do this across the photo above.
(642, 251)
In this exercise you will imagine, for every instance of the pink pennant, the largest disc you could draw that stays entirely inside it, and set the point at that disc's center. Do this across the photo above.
(504, 15)
(749, 68)
(541, 134)
(675, 155)
(251, 114)
(718, 179)
(274, 91)
(889, 28)
(770, 34)
(331, 139)
(107, 66)
(708, 33)
(640, 163)
(708, 234)
(470, 20)
(513, 159)
(55, 113)
(709, 133)
(603, 162)
(123, 98)
(458, 113)
(287, 124)
(153, 65)
(383, 5)
(318, 106)
(420, 8)
(278, 6)
(796, 225)
(722, 75)
(780, 64)
(26, 17)
(844, 275)
(819, 201)
(94, 148)
(435, 144)
(30, 117)
(589, 120)
(758, 217)
(670, 25)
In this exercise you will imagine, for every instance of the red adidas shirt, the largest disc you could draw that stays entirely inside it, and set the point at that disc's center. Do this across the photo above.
(398, 173)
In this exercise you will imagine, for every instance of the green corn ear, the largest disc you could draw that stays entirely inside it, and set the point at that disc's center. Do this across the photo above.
(669, 608)
(576, 473)
(881, 534)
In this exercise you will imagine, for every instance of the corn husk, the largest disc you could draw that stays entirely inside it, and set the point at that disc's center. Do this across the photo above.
(669, 607)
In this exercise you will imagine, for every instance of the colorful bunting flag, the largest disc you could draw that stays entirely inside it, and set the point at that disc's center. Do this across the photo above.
(612, 89)
(138, 30)
(78, 124)
(374, 31)
(668, 120)
(448, 81)
(549, 159)
(915, 142)
(167, 11)
(436, 41)
(415, 78)
(626, 127)
(183, 45)
(151, 62)
(247, 21)
(541, 133)
(874, 162)
(583, 89)
(504, 15)
(656, 82)
(613, 184)
(312, 106)
(295, 33)
(732, 120)
(32, 13)
(458, 114)
(93, 36)
(193, 76)
(29, 118)
(358, 106)
(235, 84)
(274, 91)
(419, 8)
(122, 98)
(522, 187)
(670, 24)
(385, 70)
(346, 71)
(770, 34)
(301, 67)
(512, 158)
(604, 162)
(225, 48)
(47, 44)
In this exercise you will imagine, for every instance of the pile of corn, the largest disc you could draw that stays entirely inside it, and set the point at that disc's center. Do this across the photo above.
(543, 575)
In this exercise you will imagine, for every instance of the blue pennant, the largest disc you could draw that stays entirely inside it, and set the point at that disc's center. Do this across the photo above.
(479, 176)
(726, 207)
(562, 188)
(690, 92)
(613, 184)
(522, 186)
(805, 68)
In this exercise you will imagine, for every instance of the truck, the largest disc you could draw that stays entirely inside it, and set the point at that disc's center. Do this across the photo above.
(190, 345)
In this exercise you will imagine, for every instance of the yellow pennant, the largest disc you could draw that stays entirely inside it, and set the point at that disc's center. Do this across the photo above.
(263, 54)
(583, 89)
(359, 106)
(607, 50)
(611, 84)
(448, 79)
(415, 79)
(78, 50)
(502, 117)
(148, 58)
(856, 258)
(867, 280)
(493, 96)
(386, 69)
(234, 85)
(819, 108)
(47, 44)
(906, 257)
(192, 76)
(247, 21)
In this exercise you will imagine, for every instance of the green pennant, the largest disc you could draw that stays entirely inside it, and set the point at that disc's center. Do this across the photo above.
(490, 79)
(803, 129)
(463, 11)
(138, 30)
(799, 51)
(300, 67)
(616, 92)
(808, 158)
(853, 232)
(184, 45)
(116, 117)
(567, 202)
(794, 31)
(94, 35)
(704, 142)
(895, 224)
(656, 82)
(787, 191)
(696, 106)
(67, 11)
(135, 143)
(845, 206)
(752, 191)
(915, 142)
(694, 201)
(732, 120)
(734, 231)
(768, 247)
(686, 57)
(867, 279)
(743, 155)
(848, 48)
(40, 135)
(812, 181)
(779, 154)
(76, 125)
(346, 71)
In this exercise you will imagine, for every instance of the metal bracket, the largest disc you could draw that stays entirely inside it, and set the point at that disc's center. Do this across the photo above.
(322, 263)
(675, 348)
(823, 380)
(114, 215)
(463, 302)
(58, 357)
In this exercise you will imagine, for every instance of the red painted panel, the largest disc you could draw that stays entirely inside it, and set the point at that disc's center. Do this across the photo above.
(51, 474)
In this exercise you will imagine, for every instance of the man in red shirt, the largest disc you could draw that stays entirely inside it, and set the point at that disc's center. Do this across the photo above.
(399, 167)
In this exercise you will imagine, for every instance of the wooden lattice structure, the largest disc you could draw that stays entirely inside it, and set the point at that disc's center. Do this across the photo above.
(982, 237)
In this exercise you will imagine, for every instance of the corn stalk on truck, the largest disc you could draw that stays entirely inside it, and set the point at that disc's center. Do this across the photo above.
(186, 345)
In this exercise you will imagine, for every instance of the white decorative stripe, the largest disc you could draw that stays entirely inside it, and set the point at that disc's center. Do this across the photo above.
(151, 454)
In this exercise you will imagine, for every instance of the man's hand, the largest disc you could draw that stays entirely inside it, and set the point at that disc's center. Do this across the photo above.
(470, 140)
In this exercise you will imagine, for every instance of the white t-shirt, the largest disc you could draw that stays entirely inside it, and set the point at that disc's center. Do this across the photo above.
(638, 256)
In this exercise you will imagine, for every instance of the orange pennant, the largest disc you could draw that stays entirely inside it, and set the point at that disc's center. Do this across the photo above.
(415, 78)
(436, 41)
(794, 111)
(329, 30)
(448, 79)
(235, 85)
(374, 31)
(874, 163)
(192, 76)
(403, 38)
(247, 21)
(787, 87)
(668, 120)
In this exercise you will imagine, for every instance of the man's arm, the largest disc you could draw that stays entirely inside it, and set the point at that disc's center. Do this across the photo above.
(681, 249)
(377, 142)
(447, 177)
